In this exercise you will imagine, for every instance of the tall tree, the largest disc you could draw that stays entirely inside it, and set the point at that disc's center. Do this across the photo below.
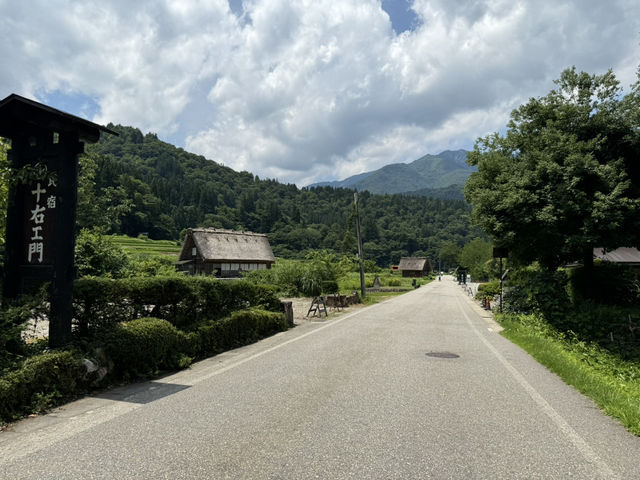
(564, 178)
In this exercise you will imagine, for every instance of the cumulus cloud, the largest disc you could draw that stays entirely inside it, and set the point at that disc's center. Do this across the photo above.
(309, 90)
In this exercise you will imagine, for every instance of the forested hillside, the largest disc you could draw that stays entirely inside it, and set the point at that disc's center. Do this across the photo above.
(135, 183)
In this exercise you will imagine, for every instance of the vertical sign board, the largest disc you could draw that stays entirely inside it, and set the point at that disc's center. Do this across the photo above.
(41, 214)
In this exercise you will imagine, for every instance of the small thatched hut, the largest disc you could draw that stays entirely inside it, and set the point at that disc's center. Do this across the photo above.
(415, 266)
(224, 253)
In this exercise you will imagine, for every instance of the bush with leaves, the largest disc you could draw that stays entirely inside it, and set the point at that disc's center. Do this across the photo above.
(486, 291)
(537, 290)
(41, 382)
(143, 346)
(181, 300)
(238, 329)
(13, 318)
(318, 273)
(97, 255)
(605, 283)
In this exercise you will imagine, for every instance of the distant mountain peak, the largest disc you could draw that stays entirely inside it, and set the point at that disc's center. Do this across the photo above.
(430, 172)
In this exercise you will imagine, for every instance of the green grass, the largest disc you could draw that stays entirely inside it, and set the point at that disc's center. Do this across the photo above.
(612, 383)
(351, 283)
(143, 245)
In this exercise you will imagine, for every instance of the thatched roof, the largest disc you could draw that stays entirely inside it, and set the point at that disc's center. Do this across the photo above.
(413, 263)
(623, 255)
(227, 246)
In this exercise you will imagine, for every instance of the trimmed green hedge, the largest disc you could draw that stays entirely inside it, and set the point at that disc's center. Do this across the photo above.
(183, 301)
(144, 346)
(239, 329)
(42, 382)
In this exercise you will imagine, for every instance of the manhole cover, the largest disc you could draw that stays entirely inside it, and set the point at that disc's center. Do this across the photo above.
(443, 355)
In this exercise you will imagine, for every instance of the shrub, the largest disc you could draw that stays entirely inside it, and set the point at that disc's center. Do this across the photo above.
(606, 283)
(238, 329)
(144, 346)
(148, 265)
(330, 287)
(100, 302)
(488, 290)
(295, 278)
(533, 290)
(13, 318)
(96, 254)
(41, 382)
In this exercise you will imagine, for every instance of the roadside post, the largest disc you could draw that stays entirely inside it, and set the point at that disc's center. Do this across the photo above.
(499, 252)
(41, 211)
(362, 288)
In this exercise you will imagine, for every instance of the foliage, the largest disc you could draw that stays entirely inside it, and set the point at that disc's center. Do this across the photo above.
(41, 382)
(564, 178)
(163, 190)
(611, 381)
(13, 317)
(318, 273)
(150, 265)
(607, 283)
(238, 329)
(488, 290)
(103, 302)
(97, 255)
(448, 255)
(143, 346)
(137, 348)
(474, 256)
(539, 291)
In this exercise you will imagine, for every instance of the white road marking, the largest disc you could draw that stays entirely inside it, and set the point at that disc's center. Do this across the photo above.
(581, 445)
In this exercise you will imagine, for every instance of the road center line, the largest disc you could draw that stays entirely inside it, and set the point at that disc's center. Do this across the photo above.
(581, 445)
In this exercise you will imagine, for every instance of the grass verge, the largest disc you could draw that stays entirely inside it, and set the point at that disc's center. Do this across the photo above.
(612, 383)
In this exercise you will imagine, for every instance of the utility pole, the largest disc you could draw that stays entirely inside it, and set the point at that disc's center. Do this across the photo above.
(355, 202)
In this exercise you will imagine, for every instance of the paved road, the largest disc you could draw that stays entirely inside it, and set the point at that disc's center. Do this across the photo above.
(352, 397)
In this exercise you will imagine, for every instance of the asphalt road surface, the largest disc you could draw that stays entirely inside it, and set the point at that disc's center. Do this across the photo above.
(358, 396)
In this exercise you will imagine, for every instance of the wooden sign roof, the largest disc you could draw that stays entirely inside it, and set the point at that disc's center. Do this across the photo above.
(19, 114)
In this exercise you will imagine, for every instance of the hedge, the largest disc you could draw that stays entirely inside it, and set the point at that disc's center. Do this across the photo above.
(143, 346)
(236, 330)
(183, 301)
(42, 382)
(137, 348)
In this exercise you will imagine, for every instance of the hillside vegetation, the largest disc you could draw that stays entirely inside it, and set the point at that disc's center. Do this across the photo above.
(135, 183)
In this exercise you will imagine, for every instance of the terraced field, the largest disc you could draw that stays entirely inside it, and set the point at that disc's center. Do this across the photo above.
(145, 245)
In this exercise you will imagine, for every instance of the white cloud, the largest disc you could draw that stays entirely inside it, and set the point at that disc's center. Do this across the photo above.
(310, 90)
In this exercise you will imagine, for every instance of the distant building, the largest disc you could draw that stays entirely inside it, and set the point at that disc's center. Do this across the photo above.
(224, 253)
(623, 256)
(415, 266)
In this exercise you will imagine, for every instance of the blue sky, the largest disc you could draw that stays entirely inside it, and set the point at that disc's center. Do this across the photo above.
(309, 90)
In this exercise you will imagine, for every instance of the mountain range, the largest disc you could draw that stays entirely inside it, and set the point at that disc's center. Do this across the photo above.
(442, 176)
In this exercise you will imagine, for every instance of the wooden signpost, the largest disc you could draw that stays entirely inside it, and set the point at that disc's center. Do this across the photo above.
(41, 213)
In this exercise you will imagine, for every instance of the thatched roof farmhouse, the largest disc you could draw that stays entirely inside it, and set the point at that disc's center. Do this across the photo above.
(414, 266)
(224, 253)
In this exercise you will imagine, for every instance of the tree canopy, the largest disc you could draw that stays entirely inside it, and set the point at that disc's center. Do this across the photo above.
(565, 177)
